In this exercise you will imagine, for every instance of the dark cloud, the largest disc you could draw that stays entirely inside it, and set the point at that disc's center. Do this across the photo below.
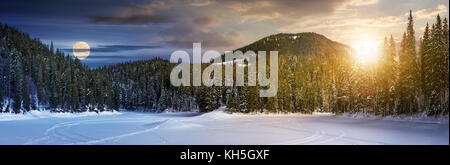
(63, 8)
(266, 9)
(99, 11)
(80, 50)
(113, 48)
(150, 11)
(136, 14)
(183, 34)
(134, 20)
(206, 20)
(106, 57)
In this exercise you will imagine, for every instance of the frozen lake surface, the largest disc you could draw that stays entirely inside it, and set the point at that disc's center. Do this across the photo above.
(218, 127)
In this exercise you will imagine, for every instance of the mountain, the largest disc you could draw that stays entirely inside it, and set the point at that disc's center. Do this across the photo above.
(145, 85)
(298, 44)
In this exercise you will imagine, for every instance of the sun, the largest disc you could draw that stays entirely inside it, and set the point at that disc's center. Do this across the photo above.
(366, 51)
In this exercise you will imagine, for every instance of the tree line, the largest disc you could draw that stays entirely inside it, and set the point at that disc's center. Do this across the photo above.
(315, 74)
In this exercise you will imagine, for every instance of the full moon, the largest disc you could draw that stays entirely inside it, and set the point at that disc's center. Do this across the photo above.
(81, 50)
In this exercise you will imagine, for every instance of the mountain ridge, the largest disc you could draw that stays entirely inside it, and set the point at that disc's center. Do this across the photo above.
(305, 43)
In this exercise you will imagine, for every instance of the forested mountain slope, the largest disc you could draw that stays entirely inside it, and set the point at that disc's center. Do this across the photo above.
(298, 44)
(146, 85)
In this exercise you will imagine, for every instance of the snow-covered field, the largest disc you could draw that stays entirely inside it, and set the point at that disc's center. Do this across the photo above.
(217, 127)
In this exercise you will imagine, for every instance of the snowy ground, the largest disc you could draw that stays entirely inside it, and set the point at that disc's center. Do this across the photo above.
(218, 128)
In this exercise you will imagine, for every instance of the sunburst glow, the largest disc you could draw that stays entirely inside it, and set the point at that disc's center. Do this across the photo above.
(366, 51)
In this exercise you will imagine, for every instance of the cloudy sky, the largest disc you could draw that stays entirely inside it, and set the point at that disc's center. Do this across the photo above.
(124, 30)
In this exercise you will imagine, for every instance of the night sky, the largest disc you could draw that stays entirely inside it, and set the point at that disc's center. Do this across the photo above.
(126, 30)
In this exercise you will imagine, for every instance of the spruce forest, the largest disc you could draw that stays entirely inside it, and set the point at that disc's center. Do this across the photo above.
(315, 74)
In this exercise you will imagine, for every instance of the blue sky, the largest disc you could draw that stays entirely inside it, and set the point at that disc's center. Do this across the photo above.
(125, 30)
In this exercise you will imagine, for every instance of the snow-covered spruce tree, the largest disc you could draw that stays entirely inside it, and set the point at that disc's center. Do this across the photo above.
(426, 68)
(446, 68)
(408, 69)
(17, 82)
(387, 77)
(438, 79)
